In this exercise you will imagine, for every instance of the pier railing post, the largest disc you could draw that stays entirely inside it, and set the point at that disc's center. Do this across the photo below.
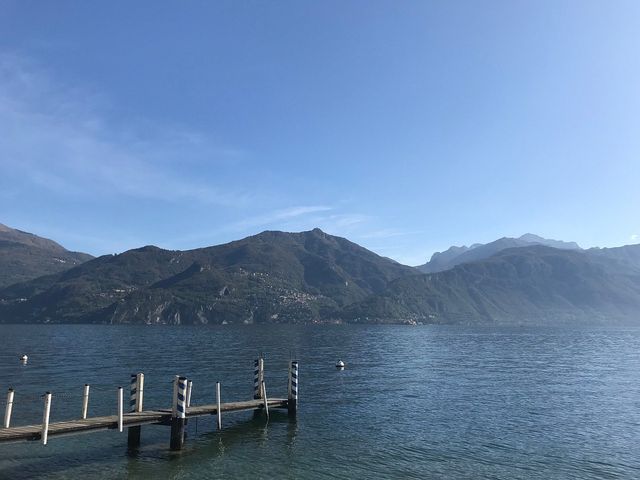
(9, 408)
(258, 377)
(189, 387)
(140, 387)
(178, 413)
(45, 417)
(292, 403)
(266, 402)
(135, 405)
(85, 401)
(120, 409)
(218, 411)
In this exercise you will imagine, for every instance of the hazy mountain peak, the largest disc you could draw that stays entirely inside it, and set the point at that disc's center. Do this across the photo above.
(478, 251)
(532, 238)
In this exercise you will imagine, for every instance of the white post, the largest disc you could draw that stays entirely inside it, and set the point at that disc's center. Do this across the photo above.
(218, 406)
(120, 408)
(85, 401)
(189, 387)
(9, 408)
(45, 417)
(140, 392)
(266, 403)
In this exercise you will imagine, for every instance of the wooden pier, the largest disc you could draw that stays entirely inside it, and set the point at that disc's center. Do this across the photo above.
(175, 417)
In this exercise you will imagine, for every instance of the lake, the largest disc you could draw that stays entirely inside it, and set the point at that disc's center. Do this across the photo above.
(428, 402)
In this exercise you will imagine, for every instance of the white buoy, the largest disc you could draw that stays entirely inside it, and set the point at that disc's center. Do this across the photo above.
(340, 364)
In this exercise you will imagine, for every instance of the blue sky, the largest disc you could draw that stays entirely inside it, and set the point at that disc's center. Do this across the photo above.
(404, 126)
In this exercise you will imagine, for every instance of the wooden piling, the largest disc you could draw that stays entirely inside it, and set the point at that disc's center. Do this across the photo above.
(45, 417)
(85, 401)
(135, 405)
(292, 397)
(218, 409)
(178, 413)
(9, 408)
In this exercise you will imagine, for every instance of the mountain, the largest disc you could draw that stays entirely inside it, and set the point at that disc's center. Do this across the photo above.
(441, 261)
(629, 255)
(307, 277)
(269, 277)
(524, 285)
(24, 256)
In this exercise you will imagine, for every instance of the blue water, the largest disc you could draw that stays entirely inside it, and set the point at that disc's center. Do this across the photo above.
(414, 402)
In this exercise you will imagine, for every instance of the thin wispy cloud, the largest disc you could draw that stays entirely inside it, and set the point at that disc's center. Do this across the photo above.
(342, 224)
(281, 216)
(279, 219)
(59, 139)
(635, 237)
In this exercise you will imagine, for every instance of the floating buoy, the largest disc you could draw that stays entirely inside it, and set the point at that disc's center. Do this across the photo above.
(340, 364)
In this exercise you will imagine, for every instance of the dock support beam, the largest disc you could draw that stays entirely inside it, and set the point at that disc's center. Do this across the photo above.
(292, 403)
(178, 413)
(9, 408)
(135, 405)
(258, 377)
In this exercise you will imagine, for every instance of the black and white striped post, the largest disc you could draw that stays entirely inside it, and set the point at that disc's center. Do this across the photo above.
(45, 417)
(258, 377)
(292, 403)
(178, 413)
(9, 408)
(135, 405)
(85, 401)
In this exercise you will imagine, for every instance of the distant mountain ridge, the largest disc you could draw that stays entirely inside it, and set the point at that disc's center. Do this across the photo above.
(525, 285)
(24, 256)
(314, 277)
(272, 276)
(441, 261)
